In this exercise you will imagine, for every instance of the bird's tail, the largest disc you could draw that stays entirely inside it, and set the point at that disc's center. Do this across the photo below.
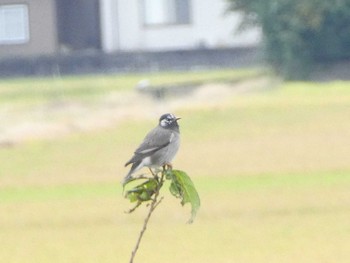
(127, 178)
(135, 167)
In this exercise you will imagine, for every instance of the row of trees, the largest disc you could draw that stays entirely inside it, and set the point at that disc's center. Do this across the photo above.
(298, 34)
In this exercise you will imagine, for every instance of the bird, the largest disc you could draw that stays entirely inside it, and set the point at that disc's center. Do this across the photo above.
(158, 148)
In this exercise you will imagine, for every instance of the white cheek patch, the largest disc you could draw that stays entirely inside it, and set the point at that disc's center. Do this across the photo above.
(163, 123)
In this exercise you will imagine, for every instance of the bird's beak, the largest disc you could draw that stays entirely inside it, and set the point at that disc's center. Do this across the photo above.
(177, 119)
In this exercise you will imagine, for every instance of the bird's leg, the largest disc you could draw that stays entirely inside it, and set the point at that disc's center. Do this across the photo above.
(153, 173)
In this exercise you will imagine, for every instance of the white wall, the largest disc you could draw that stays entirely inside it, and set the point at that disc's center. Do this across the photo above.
(122, 28)
(109, 25)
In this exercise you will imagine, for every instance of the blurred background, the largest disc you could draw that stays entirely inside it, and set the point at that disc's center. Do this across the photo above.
(264, 95)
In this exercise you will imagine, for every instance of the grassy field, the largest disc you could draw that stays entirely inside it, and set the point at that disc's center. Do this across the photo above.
(272, 169)
(43, 90)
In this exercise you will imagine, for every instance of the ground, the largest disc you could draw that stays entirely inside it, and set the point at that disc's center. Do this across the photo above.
(270, 161)
(58, 118)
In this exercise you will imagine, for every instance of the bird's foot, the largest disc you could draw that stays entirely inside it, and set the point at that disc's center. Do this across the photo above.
(167, 166)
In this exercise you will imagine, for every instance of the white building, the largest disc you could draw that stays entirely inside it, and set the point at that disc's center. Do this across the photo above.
(171, 24)
(37, 27)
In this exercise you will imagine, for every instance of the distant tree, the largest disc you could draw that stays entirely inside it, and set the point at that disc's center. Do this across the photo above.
(299, 33)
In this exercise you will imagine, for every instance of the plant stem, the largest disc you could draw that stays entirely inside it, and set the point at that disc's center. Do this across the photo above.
(155, 202)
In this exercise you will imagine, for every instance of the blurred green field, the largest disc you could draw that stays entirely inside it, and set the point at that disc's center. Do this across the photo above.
(43, 90)
(272, 169)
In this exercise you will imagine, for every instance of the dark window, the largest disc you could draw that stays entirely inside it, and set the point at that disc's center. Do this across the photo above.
(78, 24)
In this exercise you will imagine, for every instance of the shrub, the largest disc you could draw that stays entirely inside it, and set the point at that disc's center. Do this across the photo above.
(298, 33)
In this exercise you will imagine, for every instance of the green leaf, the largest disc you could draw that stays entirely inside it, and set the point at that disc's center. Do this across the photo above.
(142, 192)
(182, 187)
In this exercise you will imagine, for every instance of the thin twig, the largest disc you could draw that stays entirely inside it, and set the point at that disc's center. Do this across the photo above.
(155, 202)
(134, 208)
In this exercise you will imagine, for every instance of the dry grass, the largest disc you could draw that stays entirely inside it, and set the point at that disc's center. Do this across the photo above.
(272, 169)
(47, 108)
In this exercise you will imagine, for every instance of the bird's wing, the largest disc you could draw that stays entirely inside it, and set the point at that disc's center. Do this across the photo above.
(155, 140)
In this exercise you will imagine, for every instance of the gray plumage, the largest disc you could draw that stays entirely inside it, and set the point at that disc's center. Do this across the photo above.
(158, 148)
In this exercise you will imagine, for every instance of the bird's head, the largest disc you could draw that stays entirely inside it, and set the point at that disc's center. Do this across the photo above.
(168, 121)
